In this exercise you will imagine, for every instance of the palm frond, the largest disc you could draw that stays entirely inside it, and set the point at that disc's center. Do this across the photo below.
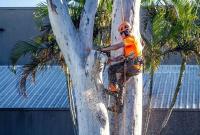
(149, 2)
(22, 48)
(40, 62)
(28, 69)
(161, 26)
(102, 24)
(41, 14)
(75, 12)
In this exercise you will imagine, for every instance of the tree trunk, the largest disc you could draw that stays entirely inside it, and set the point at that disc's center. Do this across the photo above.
(177, 90)
(86, 76)
(91, 112)
(130, 121)
(149, 105)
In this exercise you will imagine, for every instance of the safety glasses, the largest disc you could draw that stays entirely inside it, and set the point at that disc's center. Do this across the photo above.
(126, 33)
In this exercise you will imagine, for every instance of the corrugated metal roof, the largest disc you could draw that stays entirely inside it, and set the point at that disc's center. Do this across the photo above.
(49, 91)
(165, 83)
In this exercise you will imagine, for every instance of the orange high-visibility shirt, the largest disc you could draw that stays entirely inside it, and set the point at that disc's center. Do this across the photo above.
(132, 46)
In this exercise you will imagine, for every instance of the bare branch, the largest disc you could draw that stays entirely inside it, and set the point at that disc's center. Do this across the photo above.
(87, 22)
(65, 32)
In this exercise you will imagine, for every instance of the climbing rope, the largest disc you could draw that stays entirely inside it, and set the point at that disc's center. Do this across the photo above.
(120, 96)
(123, 98)
(124, 88)
(117, 104)
(116, 115)
(122, 11)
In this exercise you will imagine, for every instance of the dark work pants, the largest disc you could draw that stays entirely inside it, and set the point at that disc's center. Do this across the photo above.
(119, 68)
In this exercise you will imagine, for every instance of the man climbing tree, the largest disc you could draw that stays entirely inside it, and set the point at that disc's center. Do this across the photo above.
(130, 62)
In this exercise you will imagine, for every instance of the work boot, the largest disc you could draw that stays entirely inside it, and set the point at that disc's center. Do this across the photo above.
(115, 94)
(114, 108)
(113, 87)
(112, 93)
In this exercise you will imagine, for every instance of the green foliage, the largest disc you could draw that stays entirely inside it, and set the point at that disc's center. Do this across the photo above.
(75, 13)
(22, 48)
(153, 57)
(42, 55)
(40, 13)
(102, 26)
(149, 2)
(160, 26)
(174, 27)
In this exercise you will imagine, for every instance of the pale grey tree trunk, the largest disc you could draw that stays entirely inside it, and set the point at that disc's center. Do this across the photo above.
(130, 121)
(91, 111)
(86, 70)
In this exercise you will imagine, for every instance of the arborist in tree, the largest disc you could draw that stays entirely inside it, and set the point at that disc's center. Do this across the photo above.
(130, 63)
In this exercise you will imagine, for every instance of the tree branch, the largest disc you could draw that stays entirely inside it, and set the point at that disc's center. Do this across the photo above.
(65, 32)
(87, 23)
(135, 9)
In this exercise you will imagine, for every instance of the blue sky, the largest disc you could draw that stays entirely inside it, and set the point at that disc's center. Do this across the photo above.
(19, 3)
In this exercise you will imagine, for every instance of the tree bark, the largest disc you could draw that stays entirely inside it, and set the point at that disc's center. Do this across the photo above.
(91, 111)
(130, 121)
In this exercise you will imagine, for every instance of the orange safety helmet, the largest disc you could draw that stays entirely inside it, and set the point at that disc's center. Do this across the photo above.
(124, 26)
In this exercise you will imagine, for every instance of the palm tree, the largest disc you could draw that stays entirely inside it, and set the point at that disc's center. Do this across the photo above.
(174, 31)
(152, 52)
(183, 38)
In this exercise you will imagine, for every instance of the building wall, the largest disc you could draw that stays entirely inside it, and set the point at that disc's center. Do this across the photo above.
(182, 122)
(58, 122)
(15, 24)
(35, 122)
